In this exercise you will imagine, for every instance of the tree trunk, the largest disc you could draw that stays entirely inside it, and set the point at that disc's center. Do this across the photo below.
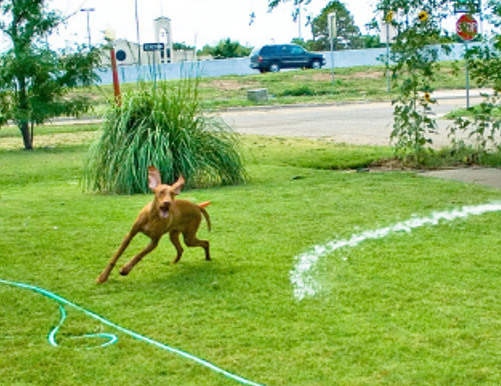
(25, 131)
(23, 107)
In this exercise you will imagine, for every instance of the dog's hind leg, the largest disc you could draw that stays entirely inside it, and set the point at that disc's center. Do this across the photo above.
(174, 238)
(191, 240)
(126, 268)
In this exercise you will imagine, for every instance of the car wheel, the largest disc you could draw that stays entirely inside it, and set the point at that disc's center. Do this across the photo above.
(316, 65)
(274, 67)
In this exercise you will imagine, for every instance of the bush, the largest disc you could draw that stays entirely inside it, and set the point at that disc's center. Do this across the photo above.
(298, 91)
(164, 127)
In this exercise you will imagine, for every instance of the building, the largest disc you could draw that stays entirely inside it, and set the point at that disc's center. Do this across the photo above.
(130, 53)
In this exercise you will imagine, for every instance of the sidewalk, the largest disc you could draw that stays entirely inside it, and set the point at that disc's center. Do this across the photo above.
(460, 93)
(476, 175)
(483, 176)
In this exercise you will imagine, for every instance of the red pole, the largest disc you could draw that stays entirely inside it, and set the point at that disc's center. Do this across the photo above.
(116, 84)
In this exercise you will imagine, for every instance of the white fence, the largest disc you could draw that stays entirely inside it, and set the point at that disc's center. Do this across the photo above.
(240, 66)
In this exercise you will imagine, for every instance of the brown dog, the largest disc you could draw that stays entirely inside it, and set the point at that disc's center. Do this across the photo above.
(163, 215)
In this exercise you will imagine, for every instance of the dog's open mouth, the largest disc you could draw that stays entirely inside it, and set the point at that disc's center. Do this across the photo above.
(164, 210)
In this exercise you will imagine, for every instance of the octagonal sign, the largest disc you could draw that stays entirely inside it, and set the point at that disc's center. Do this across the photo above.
(467, 27)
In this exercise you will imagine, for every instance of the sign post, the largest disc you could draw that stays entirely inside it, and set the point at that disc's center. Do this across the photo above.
(388, 34)
(332, 25)
(466, 28)
(152, 47)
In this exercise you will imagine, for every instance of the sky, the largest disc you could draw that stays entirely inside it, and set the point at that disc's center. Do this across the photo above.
(194, 22)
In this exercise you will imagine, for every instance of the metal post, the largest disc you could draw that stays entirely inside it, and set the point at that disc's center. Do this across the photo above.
(88, 10)
(299, 22)
(138, 40)
(109, 35)
(331, 19)
(154, 71)
(332, 59)
(116, 83)
(467, 77)
(388, 79)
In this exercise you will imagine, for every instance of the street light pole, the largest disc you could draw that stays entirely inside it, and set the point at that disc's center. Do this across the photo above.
(88, 10)
(109, 35)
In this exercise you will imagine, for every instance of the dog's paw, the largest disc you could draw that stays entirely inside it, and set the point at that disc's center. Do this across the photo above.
(124, 271)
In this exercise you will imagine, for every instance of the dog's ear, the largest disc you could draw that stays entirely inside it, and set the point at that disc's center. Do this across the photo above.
(178, 185)
(154, 178)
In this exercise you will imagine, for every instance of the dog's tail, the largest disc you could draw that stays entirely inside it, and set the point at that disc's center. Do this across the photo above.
(204, 212)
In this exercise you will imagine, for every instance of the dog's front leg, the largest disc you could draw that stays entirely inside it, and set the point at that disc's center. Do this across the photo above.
(125, 243)
(136, 259)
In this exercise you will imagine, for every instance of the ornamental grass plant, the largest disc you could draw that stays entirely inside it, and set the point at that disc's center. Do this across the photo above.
(162, 126)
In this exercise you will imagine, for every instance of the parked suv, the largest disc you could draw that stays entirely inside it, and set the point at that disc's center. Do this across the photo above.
(273, 57)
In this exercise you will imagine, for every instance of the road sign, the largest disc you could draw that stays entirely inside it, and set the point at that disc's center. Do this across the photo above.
(467, 6)
(153, 46)
(332, 25)
(467, 27)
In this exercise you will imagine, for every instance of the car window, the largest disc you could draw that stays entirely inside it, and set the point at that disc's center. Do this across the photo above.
(286, 49)
(296, 50)
(255, 51)
(267, 50)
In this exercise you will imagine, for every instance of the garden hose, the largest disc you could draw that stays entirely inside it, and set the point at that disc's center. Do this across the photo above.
(113, 338)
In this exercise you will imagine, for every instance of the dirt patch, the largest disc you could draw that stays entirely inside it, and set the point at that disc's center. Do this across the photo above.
(364, 75)
(229, 85)
(317, 77)
(327, 77)
(392, 163)
(474, 174)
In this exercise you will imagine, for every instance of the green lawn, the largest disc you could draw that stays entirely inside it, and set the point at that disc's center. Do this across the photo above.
(417, 308)
(361, 83)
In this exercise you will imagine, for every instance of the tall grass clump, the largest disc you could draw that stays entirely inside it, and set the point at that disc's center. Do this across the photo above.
(162, 126)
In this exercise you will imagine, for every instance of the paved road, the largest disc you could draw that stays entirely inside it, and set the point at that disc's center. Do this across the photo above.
(356, 123)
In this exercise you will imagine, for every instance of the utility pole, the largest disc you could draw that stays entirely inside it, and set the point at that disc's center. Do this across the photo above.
(88, 10)
(332, 25)
(137, 33)
(300, 36)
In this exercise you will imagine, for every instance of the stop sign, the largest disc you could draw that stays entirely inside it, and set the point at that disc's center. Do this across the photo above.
(466, 27)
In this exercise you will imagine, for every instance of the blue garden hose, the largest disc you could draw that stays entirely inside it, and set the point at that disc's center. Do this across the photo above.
(113, 338)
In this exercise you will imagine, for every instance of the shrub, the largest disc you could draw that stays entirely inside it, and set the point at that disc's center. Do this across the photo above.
(301, 90)
(164, 127)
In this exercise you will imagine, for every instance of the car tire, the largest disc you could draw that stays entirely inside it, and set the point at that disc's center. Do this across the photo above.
(316, 65)
(274, 67)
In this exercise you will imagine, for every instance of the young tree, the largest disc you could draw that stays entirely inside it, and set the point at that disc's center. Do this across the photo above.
(348, 33)
(226, 48)
(35, 80)
(419, 23)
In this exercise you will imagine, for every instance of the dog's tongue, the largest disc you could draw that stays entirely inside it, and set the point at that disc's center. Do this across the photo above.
(164, 213)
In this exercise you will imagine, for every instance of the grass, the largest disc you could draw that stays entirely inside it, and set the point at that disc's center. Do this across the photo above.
(418, 308)
(13, 132)
(471, 112)
(293, 87)
(314, 154)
